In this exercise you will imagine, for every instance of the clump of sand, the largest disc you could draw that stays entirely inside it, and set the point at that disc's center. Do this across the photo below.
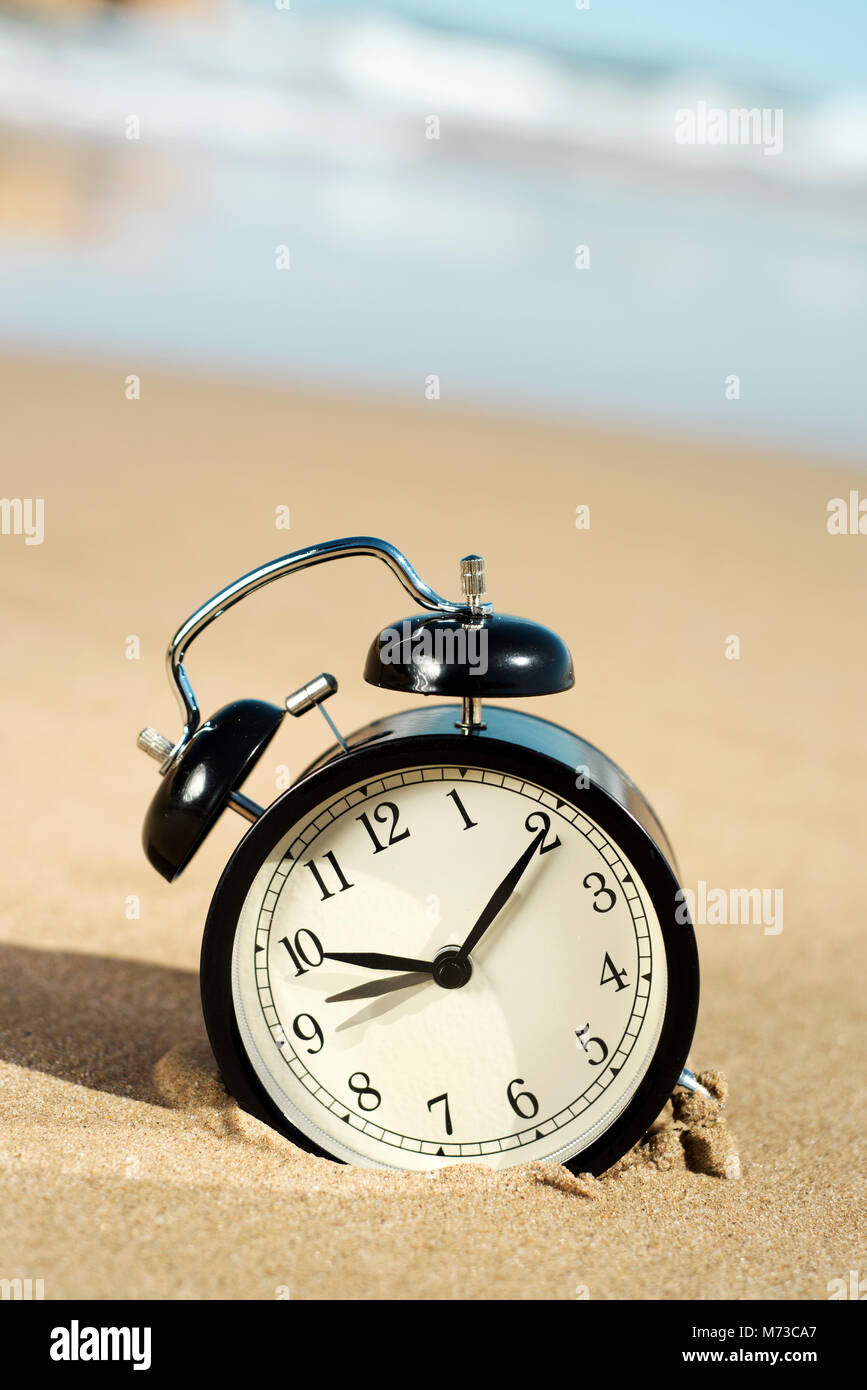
(692, 1136)
(695, 1136)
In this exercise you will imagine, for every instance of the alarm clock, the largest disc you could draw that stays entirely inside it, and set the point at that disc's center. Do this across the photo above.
(458, 936)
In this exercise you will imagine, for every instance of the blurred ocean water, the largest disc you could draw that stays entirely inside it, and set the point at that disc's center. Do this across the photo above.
(307, 128)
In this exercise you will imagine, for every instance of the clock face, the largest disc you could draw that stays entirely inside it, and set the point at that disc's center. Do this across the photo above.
(449, 965)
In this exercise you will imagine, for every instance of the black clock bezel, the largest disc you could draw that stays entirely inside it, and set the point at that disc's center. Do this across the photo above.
(369, 762)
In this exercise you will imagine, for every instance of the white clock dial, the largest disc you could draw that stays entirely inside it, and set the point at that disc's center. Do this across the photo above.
(529, 1051)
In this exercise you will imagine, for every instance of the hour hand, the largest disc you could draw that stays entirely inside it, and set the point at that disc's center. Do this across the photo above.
(373, 960)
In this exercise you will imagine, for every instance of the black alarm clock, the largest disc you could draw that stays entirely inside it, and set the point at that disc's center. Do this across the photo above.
(458, 936)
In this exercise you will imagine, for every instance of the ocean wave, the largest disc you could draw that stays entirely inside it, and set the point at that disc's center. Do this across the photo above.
(357, 88)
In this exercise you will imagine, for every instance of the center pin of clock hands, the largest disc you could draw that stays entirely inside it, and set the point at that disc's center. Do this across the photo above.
(451, 969)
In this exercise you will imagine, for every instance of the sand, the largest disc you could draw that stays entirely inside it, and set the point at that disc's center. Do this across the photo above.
(127, 1171)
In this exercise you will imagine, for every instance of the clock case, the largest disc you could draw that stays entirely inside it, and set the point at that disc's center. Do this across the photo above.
(514, 743)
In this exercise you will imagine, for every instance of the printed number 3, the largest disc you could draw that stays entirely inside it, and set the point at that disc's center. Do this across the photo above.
(607, 894)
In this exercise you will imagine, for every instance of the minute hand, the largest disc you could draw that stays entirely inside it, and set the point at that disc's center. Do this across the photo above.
(501, 896)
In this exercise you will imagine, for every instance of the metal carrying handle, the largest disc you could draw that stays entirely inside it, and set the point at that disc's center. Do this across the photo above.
(266, 574)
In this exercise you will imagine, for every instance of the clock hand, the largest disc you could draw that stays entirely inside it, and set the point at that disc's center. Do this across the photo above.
(372, 988)
(499, 899)
(372, 960)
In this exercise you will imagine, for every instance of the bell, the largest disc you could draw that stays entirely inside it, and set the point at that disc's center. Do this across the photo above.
(204, 780)
(474, 655)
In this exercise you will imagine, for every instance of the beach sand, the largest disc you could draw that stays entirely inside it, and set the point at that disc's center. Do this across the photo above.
(127, 1172)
